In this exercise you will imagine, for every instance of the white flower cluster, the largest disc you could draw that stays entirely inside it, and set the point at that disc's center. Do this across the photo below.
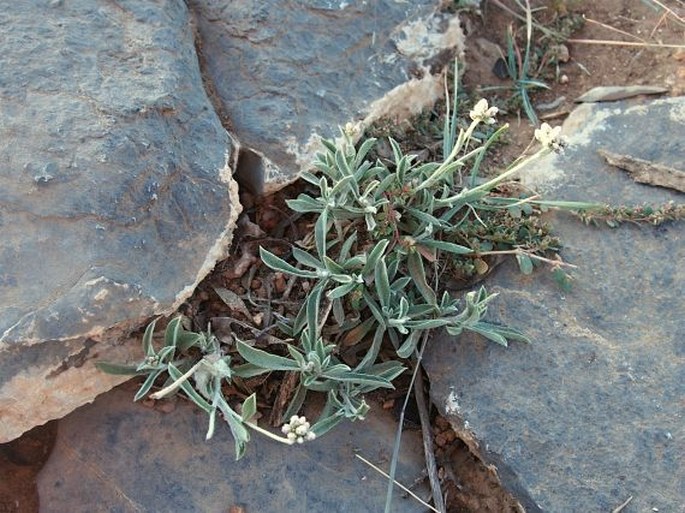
(550, 137)
(297, 430)
(482, 113)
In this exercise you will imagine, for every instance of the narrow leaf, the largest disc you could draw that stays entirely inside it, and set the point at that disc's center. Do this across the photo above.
(382, 283)
(525, 263)
(278, 264)
(265, 360)
(119, 369)
(418, 274)
(148, 349)
(249, 407)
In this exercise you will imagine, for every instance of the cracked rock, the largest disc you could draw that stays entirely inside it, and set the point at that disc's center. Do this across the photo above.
(286, 73)
(116, 197)
(591, 412)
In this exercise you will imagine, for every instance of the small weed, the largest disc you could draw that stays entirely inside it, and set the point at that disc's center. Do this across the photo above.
(383, 235)
(388, 240)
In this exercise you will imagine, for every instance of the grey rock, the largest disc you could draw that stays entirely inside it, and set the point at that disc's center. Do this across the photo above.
(286, 73)
(592, 412)
(116, 195)
(114, 455)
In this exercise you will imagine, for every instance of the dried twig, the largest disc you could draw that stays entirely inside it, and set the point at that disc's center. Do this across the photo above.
(622, 506)
(398, 484)
(427, 433)
(611, 42)
(644, 171)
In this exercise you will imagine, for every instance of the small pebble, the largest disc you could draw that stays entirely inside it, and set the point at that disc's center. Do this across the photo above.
(279, 282)
(563, 79)
(258, 318)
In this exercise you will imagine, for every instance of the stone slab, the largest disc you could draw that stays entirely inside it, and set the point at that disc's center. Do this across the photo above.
(118, 456)
(592, 412)
(116, 193)
(285, 73)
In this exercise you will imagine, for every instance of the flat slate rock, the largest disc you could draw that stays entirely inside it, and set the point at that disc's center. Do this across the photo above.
(116, 194)
(592, 412)
(285, 73)
(118, 456)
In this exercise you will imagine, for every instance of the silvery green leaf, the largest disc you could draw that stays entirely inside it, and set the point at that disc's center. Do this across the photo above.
(343, 278)
(175, 375)
(320, 231)
(374, 307)
(425, 217)
(336, 370)
(387, 183)
(300, 320)
(240, 434)
(324, 425)
(506, 331)
(525, 263)
(347, 246)
(147, 385)
(382, 283)
(388, 370)
(370, 222)
(427, 324)
(120, 369)
(421, 310)
(447, 246)
(363, 150)
(278, 264)
(343, 183)
(312, 307)
(342, 164)
(309, 177)
(418, 274)
(265, 360)
(407, 348)
(338, 310)
(355, 262)
(359, 378)
(374, 256)
(187, 339)
(166, 353)
(396, 150)
(333, 266)
(304, 204)
(488, 333)
(297, 356)
(249, 370)
(329, 145)
(323, 188)
(306, 259)
(341, 290)
(400, 283)
(172, 330)
(148, 349)
(249, 408)
(395, 259)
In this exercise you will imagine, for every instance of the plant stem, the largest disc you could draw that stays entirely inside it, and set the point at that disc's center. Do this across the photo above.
(176, 384)
(524, 252)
